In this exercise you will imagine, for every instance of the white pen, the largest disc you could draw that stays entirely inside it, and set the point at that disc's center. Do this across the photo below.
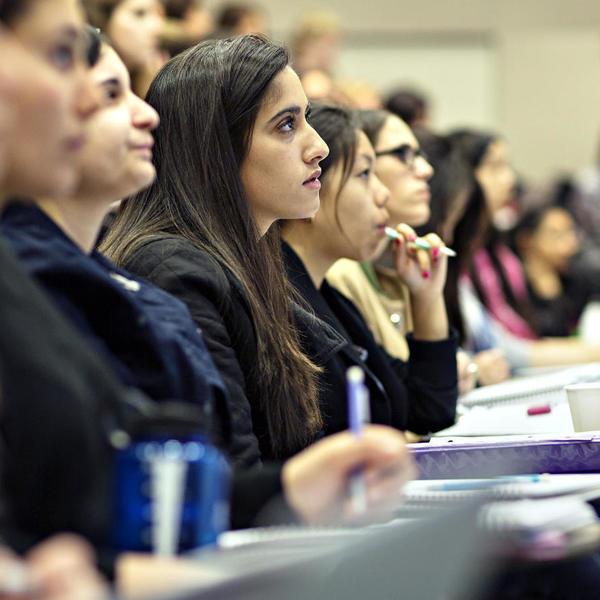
(419, 242)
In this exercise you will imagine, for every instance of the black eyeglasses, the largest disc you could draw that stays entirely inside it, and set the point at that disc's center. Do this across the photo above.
(405, 153)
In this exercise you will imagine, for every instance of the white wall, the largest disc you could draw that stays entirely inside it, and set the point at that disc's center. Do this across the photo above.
(530, 68)
(458, 75)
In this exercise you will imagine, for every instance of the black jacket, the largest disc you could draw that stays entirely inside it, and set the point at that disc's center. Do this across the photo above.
(146, 335)
(55, 394)
(58, 401)
(217, 303)
(418, 396)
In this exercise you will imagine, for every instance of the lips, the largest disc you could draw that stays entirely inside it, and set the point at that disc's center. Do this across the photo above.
(74, 143)
(313, 181)
(144, 148)
(424, 193)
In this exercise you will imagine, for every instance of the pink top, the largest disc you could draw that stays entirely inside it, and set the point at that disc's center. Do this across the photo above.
(494, 297)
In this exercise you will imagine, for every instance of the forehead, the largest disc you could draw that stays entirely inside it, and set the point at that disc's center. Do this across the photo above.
(45, 18)
(394, 133)
(285, 90)
(557, 218)
(363, 146)
(496, 151)
(109, 66)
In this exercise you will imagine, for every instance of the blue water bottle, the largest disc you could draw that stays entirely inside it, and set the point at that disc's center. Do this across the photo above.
(172, 485)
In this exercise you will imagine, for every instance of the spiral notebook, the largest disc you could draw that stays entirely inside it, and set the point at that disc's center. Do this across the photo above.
(519, 487)
(547, 388)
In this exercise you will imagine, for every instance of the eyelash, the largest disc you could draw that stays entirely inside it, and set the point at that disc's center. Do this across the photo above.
(291, 121)
(112, 93)
(365, 174)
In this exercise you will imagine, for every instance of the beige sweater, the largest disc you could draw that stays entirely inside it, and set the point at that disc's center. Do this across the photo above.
(383, 301)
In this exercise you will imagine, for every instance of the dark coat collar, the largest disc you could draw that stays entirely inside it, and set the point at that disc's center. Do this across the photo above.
(321, 337)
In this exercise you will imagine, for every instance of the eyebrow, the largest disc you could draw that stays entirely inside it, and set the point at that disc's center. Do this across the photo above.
(368, 158)
(71, 32)
(295, 110)
(111, 81)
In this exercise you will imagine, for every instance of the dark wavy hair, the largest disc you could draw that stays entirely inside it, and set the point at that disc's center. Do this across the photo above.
(337, 126)
(454, 181)
(208, 99)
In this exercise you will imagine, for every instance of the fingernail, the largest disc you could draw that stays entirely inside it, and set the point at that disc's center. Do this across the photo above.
(412, 237)
(425, 274)
(397, 243)
(435, 253)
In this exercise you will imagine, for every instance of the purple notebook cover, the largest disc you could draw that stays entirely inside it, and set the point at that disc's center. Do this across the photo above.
(507, 458)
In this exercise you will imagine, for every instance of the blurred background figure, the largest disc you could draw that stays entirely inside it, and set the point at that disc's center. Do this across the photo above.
(360, 94)
(134, 28)
(186, 23)
(316, 42)
(546, 240)
(240, 19)
(410, 105)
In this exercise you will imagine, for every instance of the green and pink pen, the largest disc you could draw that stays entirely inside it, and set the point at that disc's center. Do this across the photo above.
(419, 242)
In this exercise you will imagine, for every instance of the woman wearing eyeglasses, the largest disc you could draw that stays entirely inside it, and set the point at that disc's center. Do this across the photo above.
(418, 395)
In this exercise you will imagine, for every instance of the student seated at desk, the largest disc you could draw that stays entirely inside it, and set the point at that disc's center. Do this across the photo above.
(547, 240)
(234, 153)
(419, 395)
(416, 193)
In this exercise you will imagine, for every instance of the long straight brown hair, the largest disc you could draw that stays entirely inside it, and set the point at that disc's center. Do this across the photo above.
(208, 99)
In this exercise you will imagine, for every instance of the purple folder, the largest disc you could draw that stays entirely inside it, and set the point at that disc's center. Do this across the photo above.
(483, 459)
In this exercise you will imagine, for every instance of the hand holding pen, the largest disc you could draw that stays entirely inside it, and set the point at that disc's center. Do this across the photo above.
(421, 262)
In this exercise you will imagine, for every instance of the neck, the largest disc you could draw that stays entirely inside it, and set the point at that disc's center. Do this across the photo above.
(544, 279)
(387, 258)
(79, 219)
(302, 238)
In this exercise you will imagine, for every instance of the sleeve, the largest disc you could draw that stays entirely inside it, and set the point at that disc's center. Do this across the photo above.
(431, 378)
(485, 333)
(203, 287)
(257, 498)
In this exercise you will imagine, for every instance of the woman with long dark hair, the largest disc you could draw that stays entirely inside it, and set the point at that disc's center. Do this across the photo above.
(234, 153)
(418, 395)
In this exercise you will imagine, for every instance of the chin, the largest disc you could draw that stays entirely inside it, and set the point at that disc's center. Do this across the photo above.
(419, 217)
(308, 209)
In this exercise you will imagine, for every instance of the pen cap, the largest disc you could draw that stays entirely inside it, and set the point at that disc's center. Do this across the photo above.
(356, 397)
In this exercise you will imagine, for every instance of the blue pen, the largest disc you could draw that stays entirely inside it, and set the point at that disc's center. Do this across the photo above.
(358, 402)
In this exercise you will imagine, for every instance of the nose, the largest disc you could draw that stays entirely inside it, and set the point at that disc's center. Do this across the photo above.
(87, 95)
(315, 149)
(423, 169)
(382, 194)
(143, 115)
